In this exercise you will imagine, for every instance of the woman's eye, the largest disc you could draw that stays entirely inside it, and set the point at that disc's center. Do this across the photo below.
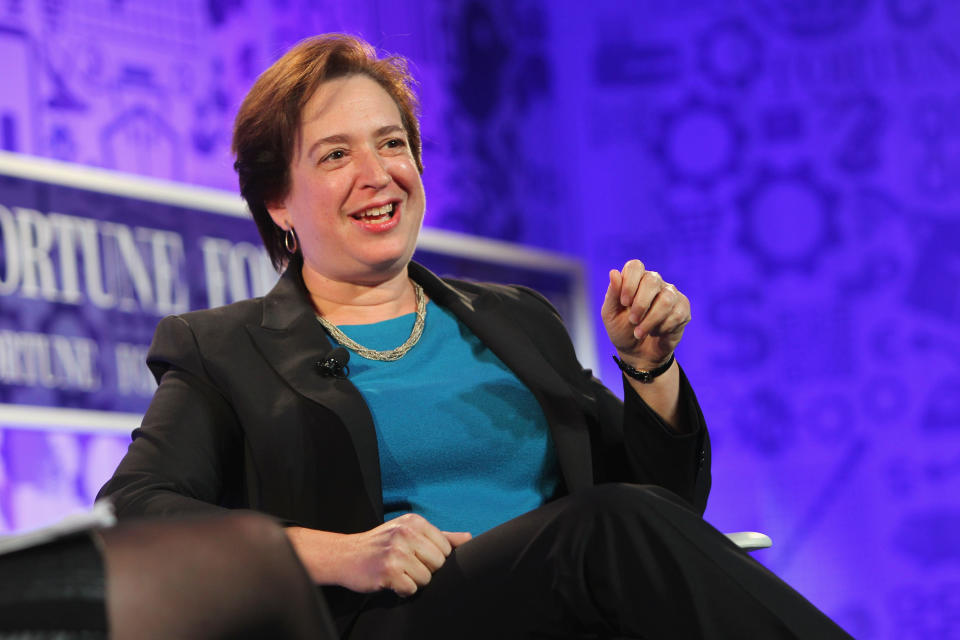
(395, 143)
(337, 154)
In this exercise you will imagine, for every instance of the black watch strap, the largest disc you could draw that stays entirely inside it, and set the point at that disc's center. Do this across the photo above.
(643, 376)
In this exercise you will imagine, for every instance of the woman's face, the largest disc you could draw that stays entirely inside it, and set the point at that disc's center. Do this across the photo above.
(356, 200)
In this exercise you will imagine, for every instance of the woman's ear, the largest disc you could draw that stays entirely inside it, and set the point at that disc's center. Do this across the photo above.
(280, 214)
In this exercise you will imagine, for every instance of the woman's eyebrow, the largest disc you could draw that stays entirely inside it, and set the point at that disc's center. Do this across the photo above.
(341, 138)
(338, 138)
(390, 128)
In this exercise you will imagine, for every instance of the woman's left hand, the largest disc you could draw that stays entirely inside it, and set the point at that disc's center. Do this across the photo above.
(644, 316)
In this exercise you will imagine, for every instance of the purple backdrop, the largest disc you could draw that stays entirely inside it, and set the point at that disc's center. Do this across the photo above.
(794, 167)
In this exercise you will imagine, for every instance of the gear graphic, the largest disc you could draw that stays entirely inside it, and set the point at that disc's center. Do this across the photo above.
(730, 53)
(789, 219)
(699, 143)
(766, 423)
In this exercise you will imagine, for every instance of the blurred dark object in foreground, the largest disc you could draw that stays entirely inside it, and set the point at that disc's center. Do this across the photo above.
(232, 576)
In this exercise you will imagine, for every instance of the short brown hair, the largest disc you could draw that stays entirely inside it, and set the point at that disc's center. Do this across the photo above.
(268, 123)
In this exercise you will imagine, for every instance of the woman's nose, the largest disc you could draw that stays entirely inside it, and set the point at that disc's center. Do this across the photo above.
(373, 171)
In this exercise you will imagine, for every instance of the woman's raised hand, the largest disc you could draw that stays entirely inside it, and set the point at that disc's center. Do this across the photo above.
(400, 555)
(644, 316)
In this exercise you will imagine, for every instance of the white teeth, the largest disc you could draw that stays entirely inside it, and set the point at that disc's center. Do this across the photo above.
(376, 212)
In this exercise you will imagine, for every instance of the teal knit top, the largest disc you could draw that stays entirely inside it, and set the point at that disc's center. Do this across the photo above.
(462, 441)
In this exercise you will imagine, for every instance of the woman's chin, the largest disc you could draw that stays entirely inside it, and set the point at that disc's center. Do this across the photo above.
(388, 255)
(384, 265)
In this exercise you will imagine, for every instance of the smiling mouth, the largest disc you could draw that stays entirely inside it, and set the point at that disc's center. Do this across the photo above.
(376, 215)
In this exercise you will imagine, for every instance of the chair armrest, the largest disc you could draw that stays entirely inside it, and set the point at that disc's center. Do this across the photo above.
(750, 540)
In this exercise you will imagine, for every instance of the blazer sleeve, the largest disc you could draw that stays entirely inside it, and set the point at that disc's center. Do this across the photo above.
(677, 461)
(184, 455)
(630, 441)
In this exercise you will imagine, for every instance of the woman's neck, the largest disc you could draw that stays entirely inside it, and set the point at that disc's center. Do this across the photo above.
(346, 302)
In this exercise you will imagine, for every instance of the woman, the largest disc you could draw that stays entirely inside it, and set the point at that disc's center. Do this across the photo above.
(462, 409)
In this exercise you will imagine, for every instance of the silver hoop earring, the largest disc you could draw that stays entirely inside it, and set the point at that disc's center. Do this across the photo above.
(290, 241)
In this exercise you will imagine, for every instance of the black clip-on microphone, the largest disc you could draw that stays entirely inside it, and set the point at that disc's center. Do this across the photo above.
(335, 364)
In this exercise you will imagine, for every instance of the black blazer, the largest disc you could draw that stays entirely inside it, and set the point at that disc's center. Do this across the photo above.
(243, 417)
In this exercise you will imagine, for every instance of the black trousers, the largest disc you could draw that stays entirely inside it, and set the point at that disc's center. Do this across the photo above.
(614, 561)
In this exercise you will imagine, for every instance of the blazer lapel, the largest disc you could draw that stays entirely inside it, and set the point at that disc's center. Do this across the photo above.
(489, 321)
(293, 342)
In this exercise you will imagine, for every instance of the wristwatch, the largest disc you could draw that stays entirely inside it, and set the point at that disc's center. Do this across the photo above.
(645, 377)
